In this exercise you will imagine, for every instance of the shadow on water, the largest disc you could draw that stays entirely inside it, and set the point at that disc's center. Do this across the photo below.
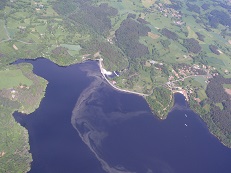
(118, 129)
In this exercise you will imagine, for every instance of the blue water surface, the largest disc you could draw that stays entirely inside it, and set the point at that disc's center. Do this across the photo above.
(126, 136)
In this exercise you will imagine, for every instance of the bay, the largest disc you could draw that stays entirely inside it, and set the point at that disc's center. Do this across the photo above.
(85, 126)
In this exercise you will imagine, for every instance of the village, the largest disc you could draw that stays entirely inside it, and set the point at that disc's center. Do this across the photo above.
(178, 75)
(175, 15)
(185, 71)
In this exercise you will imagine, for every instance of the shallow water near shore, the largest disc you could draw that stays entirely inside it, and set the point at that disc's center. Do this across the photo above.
(85, 126)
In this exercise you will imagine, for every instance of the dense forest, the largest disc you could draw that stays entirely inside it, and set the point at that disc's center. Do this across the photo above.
(113, 56)
(219, 17)
(95, 22)
(87, 16)
(169, 34)
(127, 38)
(2, 4)
(217, 94)
(192, 45)
(97, 18)
(194, 8)
(205, 6)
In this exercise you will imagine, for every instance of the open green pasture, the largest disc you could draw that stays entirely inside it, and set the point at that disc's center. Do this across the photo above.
(13, 78)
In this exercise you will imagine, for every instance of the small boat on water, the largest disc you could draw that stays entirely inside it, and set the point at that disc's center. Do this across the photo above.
(185, 115)
(186, 125)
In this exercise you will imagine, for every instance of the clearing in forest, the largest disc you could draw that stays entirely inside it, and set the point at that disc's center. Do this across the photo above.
(148, 3)
(153, 36)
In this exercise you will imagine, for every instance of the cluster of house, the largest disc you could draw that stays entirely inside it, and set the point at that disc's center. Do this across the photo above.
(170, 12)
(39, 6)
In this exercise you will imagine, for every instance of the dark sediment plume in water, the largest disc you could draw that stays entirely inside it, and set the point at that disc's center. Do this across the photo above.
(91, 118)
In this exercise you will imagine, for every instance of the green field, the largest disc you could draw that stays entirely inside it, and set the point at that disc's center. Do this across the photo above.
(20, 90)
(13, 78)
(3, 35)
(228, 86)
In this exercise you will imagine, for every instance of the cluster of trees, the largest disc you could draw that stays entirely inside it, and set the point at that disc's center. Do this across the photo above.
(160, 101)
(192, 45)
(169, 34)
(205, 6)
(200, 36)
(87, 16)
(2, 55)
(26, 5)
(176, 5)
(95, 17)
(60, 51)
(217, 17)
(218, 117)
(165, 43)
(142, 21)
(113, 57)
(214, 49)
(131, 15)
(14, 138)
(60, 54)
(2, 4)
(225, 32)
(127, 37)
(5, 102)
(63, 7)
(213, 21)
(194, 8)
(222, 118)
(215, 90)
(225, 6)
(216, 94)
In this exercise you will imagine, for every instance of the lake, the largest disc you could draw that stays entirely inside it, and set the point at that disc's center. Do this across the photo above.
(85, 126)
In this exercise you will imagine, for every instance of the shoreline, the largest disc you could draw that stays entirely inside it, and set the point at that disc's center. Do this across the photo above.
(115, 87)
(133, 92)
(183, 92)
(139, 94)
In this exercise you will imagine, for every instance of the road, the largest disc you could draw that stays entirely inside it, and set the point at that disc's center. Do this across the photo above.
(9, 38)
